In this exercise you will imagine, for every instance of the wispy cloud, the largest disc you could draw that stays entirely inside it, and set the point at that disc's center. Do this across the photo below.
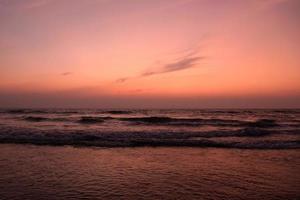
(189, 59)
(66, 73)
(122, 80)
(184, 63)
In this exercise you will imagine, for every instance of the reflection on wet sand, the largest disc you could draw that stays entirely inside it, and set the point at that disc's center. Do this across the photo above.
(44, 172)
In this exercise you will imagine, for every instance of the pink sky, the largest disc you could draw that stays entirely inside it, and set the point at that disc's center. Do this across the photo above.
(150, 53)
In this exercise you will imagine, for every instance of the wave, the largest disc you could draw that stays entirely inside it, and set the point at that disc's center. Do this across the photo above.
(253, 132)
(82, 120)
(24, 111)
(65, 112)
(36, 119)
(166, 121)
(136, 139)
(263, 123)
(287, 111)
(181, 121)
(118, 112)
(62, 111)
(34, 111)
(44, 119)
(92, 120)
(92, 140)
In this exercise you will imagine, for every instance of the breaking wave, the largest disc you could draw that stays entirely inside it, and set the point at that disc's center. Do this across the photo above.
(138, 139)
(92, 120)
(265, 129)
(24, 111)
(34, 111)
(92, 140)
(168, 121)
(36, 119)
(44, 119)
(118, 112)
(262, 123)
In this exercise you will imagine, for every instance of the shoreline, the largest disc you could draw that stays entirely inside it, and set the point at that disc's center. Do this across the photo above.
(143, 146)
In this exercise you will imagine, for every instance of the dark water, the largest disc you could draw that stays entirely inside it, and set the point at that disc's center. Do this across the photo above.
(46, 172)
(198, 154)
(248, 129)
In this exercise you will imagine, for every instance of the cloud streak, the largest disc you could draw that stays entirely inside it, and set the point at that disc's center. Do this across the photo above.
(182, 64)
(66, 73)
(122, 80)
(190, 60)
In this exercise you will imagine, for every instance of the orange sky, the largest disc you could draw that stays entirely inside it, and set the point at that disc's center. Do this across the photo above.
(141, 53)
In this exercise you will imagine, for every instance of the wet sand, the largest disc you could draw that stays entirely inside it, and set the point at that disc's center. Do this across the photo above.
(45, 172)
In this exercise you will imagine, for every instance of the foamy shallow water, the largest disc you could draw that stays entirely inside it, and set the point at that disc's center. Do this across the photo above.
(45, 172)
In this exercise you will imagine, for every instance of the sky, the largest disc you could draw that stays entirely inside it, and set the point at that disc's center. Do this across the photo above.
(150, 53)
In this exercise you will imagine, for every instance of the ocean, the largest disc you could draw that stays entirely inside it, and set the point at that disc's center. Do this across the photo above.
(149, 154)
(243, 129)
